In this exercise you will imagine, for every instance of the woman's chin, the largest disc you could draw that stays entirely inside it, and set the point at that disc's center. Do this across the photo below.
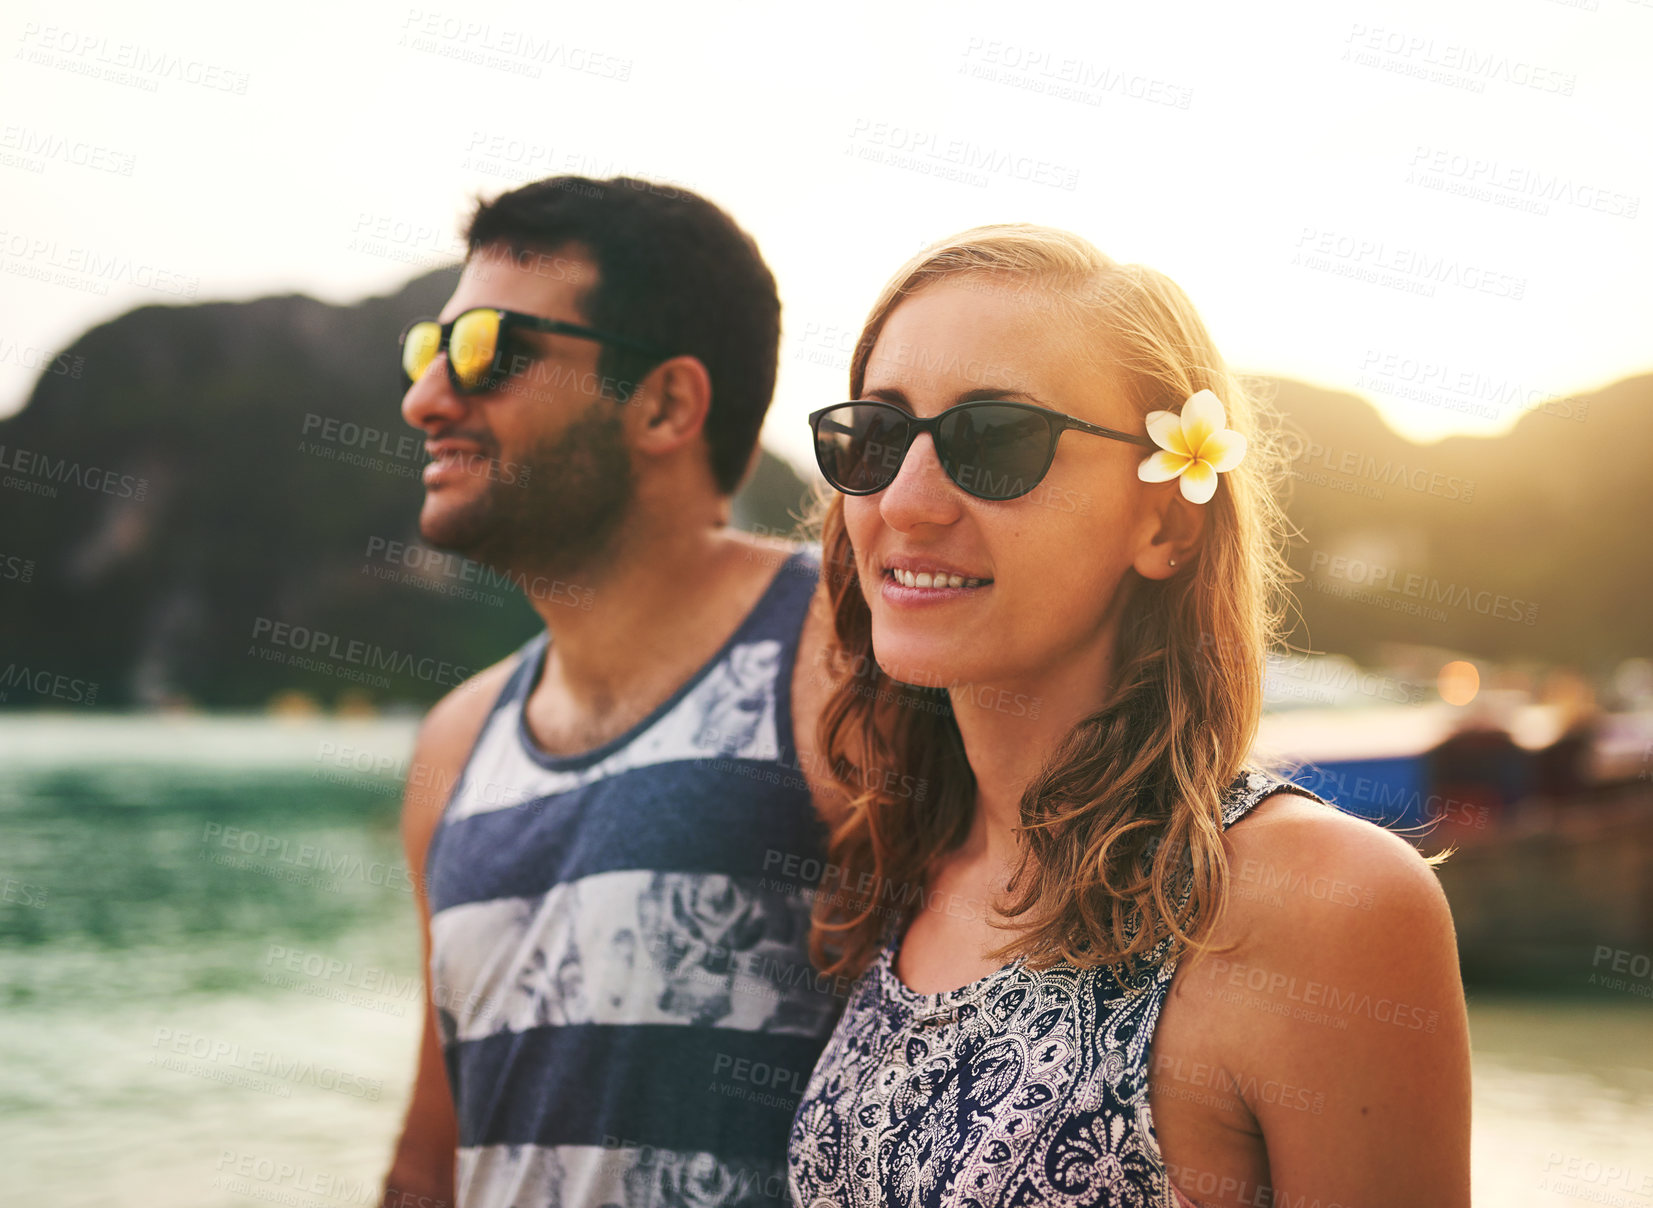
(926, 664)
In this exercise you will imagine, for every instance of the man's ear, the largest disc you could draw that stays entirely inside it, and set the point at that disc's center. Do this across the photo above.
(672, 403)
(1178, 526)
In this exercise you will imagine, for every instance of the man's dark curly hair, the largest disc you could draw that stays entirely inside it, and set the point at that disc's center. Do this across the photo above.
(673, 270)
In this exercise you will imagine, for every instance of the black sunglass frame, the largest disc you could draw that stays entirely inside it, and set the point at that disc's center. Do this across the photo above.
(1058, 422)
(498, 372)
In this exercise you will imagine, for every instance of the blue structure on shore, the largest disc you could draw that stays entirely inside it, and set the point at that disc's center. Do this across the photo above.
(1390, 790)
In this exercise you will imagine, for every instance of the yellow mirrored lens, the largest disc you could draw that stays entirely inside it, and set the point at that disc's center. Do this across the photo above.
(472, 345)
(419, 348)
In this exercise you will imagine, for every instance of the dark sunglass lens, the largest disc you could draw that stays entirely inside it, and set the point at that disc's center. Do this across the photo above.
(859, 448)
(995, 452)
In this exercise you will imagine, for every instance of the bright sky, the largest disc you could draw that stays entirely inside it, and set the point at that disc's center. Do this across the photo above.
(1439, 205)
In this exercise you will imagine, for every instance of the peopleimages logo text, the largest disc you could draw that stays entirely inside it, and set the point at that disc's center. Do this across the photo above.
(61, 471)
(354, 652)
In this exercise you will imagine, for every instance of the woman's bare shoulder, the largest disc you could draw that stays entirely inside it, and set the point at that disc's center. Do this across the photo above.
(1336, 972)
(1322, 896)
(1336, 969)
(1301, 870)
(1288, 837)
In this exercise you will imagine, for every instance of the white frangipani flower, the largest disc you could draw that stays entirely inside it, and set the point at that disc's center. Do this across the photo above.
(1194, 446)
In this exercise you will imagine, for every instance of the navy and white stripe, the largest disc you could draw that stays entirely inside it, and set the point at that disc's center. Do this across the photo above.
(619, 963)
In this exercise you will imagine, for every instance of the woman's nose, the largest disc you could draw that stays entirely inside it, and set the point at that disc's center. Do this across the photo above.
(921, 492)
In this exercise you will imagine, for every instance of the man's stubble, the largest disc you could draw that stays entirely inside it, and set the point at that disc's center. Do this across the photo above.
(568, 501)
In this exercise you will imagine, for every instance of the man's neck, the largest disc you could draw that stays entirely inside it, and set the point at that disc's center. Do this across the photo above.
(623, 642)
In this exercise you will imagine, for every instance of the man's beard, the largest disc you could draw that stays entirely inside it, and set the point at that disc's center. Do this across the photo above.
(558, 510)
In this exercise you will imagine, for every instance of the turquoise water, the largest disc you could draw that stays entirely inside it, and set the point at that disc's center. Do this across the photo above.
(208, 968)
(186, 1021)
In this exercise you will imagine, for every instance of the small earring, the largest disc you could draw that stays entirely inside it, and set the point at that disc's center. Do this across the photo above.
(1173, 561)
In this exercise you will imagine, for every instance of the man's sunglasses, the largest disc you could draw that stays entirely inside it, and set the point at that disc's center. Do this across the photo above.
(993, 449)
(477, 343)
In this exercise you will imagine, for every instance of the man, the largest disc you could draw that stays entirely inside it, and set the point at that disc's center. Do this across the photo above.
(611, 822)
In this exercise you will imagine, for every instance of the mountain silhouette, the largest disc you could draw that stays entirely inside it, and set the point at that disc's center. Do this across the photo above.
(217, 503)
(184, 480)
(1529, 546)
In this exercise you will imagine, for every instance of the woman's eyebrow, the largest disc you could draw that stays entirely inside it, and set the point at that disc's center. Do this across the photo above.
(893, 395)
(897, 397)
(999, 392)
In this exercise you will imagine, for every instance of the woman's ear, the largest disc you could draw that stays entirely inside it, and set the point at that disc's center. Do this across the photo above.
(1177, 528)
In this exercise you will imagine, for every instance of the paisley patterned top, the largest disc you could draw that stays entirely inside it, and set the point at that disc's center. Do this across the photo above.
(1024, 1088)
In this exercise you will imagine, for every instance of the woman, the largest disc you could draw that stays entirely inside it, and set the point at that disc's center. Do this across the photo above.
(1100, 958)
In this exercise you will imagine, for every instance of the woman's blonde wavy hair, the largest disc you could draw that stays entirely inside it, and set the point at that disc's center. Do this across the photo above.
(1122, 830)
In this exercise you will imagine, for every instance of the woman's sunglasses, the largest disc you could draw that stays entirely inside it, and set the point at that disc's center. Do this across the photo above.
(993, 449)
(477, 343)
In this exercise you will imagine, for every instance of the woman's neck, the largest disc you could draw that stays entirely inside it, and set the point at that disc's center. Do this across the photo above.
(1009, 737)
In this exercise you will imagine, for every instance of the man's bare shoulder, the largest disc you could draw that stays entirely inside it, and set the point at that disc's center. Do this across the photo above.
(444, 742)
(457, 718)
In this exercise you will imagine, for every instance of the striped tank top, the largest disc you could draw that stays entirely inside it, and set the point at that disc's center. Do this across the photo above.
(1025, 1088)
(619, 940)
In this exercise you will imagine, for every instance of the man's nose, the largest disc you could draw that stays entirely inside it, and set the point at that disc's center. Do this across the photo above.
(431, 402)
